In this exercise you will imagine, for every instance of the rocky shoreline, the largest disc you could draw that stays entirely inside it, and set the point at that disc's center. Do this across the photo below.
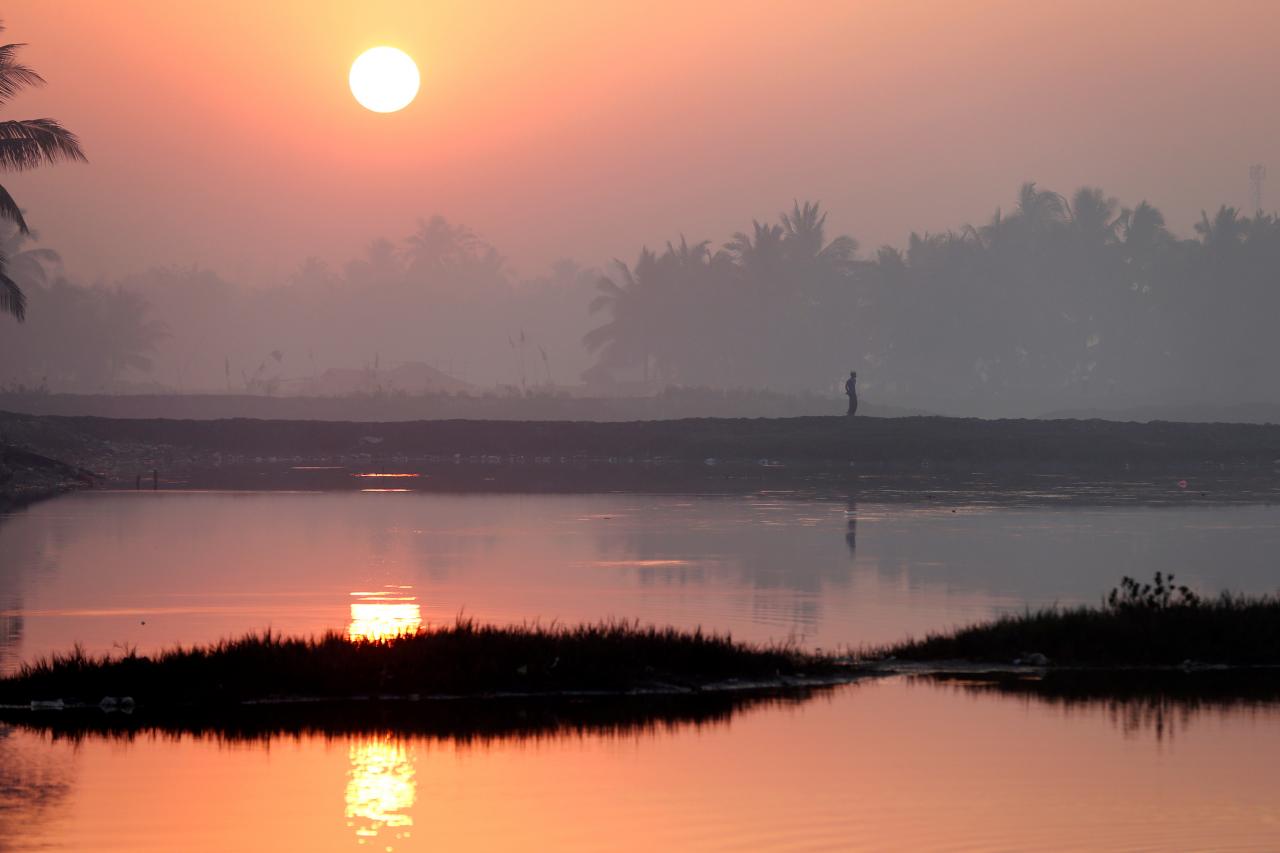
(27, 476)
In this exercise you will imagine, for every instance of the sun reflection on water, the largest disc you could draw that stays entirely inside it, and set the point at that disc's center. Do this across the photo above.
(386, 615)
(380, 789)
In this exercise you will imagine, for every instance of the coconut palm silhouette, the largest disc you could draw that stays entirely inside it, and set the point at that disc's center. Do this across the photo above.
(25, 144)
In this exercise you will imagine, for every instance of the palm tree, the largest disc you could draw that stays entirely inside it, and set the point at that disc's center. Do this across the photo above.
(759, 253)
(25, 144)
(379, 267)
(1040, 209)
(1142, 228)
(23, 265)
(1092, 215)
(685, 256)
(626, 339)
(1224, 231)
(441, 247)
(803, 230)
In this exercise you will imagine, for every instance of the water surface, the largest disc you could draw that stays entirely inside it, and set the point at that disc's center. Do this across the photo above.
(146, 570)
(885, 765)
(875, 766)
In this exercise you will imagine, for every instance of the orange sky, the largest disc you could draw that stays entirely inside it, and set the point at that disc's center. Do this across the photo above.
(224, 133)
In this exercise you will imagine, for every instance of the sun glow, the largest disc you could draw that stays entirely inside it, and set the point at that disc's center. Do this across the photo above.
(382, 616)
(384, 79)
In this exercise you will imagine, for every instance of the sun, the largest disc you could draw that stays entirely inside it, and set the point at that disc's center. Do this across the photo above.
(384, 79)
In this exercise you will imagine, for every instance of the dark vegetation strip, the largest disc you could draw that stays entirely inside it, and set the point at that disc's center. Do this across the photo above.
(874, 442)
(1155, 624)
(531, 406)
(465, 659)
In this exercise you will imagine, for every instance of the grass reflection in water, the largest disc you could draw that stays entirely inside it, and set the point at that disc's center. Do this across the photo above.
(460, 722)
(1159, 703)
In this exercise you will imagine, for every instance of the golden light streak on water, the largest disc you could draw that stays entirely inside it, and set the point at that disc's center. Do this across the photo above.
(380, 790)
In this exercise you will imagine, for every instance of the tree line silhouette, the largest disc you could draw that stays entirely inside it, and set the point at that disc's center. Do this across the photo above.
(1058, 302)
(441, 295)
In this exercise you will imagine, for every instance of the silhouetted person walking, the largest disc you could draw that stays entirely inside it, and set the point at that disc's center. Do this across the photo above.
(851, 388)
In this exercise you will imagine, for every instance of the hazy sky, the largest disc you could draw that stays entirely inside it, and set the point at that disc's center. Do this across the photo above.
(223, 133)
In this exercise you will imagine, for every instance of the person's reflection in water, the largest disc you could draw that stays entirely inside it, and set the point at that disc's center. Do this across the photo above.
(851, 532)
(10, 635)
(24, 548)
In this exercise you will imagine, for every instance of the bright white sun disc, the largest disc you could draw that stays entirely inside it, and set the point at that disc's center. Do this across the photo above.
(384, 79)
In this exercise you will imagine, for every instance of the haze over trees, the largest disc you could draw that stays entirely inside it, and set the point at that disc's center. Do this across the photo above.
(440, 297)
(1056, 302)
(74, 337)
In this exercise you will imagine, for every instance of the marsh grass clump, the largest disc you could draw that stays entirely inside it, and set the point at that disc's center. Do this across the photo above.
(1138, 624)
(463, 659)
(1161, 594)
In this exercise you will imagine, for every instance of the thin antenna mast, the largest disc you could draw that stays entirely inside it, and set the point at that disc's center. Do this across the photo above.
(1257, 175)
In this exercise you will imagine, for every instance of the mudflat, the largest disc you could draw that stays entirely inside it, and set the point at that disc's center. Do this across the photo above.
(816, 441)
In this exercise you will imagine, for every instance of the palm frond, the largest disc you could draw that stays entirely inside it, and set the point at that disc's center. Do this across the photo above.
(12, 299)
(9, 210)
(600, 303)
(738, 243)
(599, 336)
(50, 256)
(14, 76)
(840, 249)
(628, 279)
(27, 143)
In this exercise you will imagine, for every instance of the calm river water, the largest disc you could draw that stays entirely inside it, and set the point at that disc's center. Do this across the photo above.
(889, 765)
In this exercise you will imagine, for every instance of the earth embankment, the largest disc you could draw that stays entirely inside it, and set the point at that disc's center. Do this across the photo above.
(1086, 448)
